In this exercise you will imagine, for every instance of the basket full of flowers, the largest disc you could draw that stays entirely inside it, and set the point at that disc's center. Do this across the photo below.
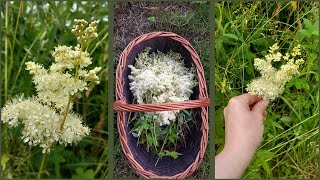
(162, 106)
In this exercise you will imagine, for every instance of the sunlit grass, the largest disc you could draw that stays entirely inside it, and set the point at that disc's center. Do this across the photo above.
(245, 30)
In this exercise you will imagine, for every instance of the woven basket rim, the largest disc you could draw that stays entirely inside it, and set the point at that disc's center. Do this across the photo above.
(122, 107)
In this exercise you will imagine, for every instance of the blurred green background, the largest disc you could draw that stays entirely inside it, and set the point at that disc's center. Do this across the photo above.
(29, 32)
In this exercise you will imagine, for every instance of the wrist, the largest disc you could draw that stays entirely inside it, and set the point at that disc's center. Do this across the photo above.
(242, 155)
(238, 147)
(231, 163)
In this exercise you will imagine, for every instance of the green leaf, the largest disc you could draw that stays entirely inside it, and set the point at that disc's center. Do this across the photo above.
(173, 154)
(307, 23)
(298, 83)
(171, 139)
(150, 139)
(145, 125)
(161, 154)
(152, 19)
(266, 167)
(83, 174)
(231, 36)
(4, 160)
(276, 125)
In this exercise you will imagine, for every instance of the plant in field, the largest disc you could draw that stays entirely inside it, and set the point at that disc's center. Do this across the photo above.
(159, 78)
(272, 81)
(47, 117)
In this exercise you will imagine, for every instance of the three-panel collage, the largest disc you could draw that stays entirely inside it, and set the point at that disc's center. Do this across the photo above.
(151, 89)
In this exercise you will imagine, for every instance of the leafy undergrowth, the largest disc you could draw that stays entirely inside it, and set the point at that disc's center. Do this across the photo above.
(30, 31)
(189, 20)
(244, 31)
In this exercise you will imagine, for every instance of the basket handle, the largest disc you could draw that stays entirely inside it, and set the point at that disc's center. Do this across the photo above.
(121, 105)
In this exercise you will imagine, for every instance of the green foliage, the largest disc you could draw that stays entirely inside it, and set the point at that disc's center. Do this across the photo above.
(83, 174)
(244, 31)
(30, 31)
(162, 140)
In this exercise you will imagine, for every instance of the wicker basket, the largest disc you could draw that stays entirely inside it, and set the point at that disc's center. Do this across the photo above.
(143, 161)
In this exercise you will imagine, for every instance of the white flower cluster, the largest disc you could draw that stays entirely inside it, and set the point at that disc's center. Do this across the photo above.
(159, 78)
(47, 117)
(272, 81)
(85, 35)
(42, 123)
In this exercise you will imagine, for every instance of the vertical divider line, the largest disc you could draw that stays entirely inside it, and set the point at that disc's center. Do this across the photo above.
(319, 87)
(1, 174)
(212, 91)
(110, 90)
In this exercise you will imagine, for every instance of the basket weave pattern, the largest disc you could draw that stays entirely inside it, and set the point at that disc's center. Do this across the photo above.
(122, 107)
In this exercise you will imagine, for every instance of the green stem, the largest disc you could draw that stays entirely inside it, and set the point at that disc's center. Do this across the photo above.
(164, 142)
(4, 127)
(6, 53)
(42, 165)
(154, 131)
(14, 39)
(66, 112)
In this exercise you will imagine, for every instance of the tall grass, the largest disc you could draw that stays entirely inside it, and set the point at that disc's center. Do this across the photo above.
(245, 30)
(30, 32)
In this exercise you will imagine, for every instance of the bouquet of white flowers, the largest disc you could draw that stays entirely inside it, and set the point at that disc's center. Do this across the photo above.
(159, 78)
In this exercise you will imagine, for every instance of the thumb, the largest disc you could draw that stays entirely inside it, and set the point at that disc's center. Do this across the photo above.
(261, 106)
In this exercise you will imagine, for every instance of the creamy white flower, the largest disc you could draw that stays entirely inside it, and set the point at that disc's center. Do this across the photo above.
(160, 78)
(42, 116)
(41, 123)
(272, 81)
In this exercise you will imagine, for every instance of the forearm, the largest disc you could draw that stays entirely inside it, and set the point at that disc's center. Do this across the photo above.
(231, 164)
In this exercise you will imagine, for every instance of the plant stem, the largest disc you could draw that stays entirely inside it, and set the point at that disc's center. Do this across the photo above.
(6, 54)
(44, 155)
(66, 112)
(14, 39)
(164, 142)
(4, 127)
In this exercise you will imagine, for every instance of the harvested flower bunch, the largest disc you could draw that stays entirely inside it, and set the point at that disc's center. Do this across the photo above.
(47, 118)
(272, 82)
(159, 78)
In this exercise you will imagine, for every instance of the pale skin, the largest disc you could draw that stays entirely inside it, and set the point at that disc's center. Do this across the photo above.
(244, 117)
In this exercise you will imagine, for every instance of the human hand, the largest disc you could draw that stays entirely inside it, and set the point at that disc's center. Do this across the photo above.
(244, 117)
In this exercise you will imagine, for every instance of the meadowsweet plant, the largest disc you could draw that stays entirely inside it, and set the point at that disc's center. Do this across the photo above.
(272, 82)
(158, 78)
(47, 117)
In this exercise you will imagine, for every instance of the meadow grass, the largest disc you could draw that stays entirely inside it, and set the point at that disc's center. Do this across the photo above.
(244, 31)
(30, 31)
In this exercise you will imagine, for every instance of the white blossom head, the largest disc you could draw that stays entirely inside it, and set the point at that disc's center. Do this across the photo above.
(47, 118)
(272, 81)
(160, 78)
